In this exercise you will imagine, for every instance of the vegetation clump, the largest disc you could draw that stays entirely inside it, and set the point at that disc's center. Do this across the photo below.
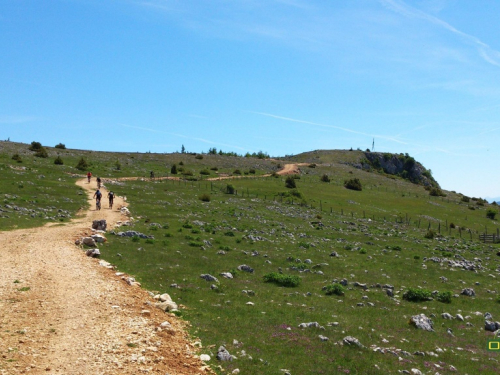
(436, 192)
(444, 297)
(430, 234)
(173, 170)
(82, 164)
(280, 279)
(325, 178)
(334, 289)
(290, 182)
(353, 184)
(417, 295)
(41, 153)
(204, 197)
(35, 146)
(491, 213)
(58, 161)
(230, 189)
(60, 146)
(17, 158)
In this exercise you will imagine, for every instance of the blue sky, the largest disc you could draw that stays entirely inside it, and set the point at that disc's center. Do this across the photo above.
(282, 76)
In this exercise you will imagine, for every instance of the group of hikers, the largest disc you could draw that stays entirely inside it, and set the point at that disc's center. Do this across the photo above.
(98, 194)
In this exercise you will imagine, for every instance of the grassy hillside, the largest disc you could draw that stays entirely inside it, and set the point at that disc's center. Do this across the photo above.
(378, 236)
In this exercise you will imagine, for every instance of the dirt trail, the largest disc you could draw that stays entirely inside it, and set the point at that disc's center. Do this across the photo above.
(286, 170)
(63, 313)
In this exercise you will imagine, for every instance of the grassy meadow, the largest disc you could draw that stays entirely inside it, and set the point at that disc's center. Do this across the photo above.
(378, 235)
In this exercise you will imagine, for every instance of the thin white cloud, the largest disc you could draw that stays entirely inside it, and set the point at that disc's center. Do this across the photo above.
(17, 119)
(488, 54)
(331, 127)
(185, 136)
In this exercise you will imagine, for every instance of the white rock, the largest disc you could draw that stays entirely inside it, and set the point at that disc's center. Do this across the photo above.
(205, 357)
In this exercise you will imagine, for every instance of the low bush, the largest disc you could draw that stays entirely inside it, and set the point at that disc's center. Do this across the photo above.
(334, 289)
(353, 184)
(35, 146)
(173, 170)
(199, 157)
(237, 171)
(204, 197)
(41, 153)
(230, 189)
(290, 183)
(214, 169)
(465, 199)
(436, 192)
(417, 295)
(205, 172)
(312, 165)
(60, 146)
(282, 280)
(58, 161)
(82, 164)
(252, 171)
(325, 178)
(444, 297)
(490, 214)
(17, 158)
(430, 234)
(452, 225)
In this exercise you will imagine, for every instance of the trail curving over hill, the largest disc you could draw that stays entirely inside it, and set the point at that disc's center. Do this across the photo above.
(63, 313)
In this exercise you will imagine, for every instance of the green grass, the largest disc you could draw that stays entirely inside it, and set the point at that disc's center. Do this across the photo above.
(379, 234)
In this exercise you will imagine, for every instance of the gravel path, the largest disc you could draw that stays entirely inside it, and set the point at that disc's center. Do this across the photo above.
(63, 313)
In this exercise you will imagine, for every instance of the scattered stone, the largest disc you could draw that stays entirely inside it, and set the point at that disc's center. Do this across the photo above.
(88, 241)
(488, 316)
(351, 341)
(459, 317)
(93, 253)
(99, 238)
(227, 275)
(223, 354)
(310, 325)
(205, 357)
(447, 316)
(99, 225)
(323, 338)
(469, 292)
(416, 371)
(491, 326)
(334, 254)
(422, 322)
(208, 277)
(131, 233)
(245, 268)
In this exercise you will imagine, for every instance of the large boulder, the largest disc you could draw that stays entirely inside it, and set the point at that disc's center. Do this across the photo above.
(208, 277)
(99, 224)
(88, 241)
(491, 326)
(469, 292)
(223, 354)
(94, 253)
(422, 322)
(99, 238)
(351, 341)
(166, 305)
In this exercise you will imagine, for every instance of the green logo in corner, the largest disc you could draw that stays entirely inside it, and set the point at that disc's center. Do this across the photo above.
(494, 345)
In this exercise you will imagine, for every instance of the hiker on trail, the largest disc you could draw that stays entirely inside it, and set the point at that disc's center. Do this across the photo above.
(89, 175)
(98, 182)
(98, 196)
(111, 197)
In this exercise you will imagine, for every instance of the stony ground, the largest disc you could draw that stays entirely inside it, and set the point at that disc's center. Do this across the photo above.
(64, 313)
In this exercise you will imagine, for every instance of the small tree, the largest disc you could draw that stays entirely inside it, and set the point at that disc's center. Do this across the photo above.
(173, 170)
(82, 164)
(58, 161)
(41, 153)
(490, 214)
(353, 184)
(325, 178)
(290, 182)
(35, 146)
(17, 158)
(183, 149)
(61, 146)
(230, 189)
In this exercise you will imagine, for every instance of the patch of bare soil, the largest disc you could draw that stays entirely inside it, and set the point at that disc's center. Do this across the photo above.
(63, 313)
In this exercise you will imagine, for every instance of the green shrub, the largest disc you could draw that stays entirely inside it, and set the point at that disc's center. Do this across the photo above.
(41, 153)
(325, 178)
(58, 161)
(436, 192)
(35, 146)
(304, 244)
(204, 197)
(118, 166)
(430, 234)
(17, 158)
(173, 170)
(199, 157)
(290, 182)
(214, 169)
(136, 239)
(229, 234)
(362, 251)
(444, 297)
(205, 172)
(452, 225)
(312, 165)
(150, 240)
(498, 299)
(282, 280)
(417, 295)
(336, 289)
(465, 199)
(187, 173)
(416, 257)
(82, 164)
(252, 171)
(490, 214)
(230, 189)
(60, 146)
(237, 171)
(353, 184)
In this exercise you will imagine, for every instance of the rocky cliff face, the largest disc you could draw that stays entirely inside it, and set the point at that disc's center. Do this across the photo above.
(401, 165)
